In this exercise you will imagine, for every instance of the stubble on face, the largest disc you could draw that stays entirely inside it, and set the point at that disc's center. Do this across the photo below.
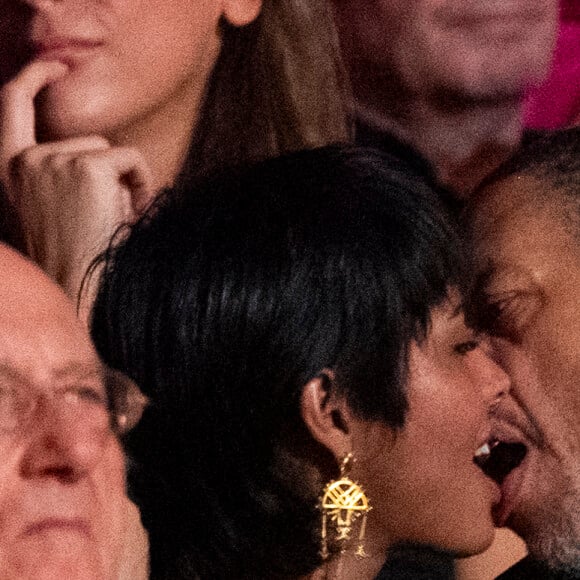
(557, 541)
(518, 229)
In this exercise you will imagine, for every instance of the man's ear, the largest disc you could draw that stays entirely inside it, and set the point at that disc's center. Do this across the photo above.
(241, 12)
(327, 415)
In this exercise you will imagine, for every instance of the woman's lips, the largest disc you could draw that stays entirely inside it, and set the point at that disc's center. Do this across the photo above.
(68, 51)
(479, 457)
(503, 458)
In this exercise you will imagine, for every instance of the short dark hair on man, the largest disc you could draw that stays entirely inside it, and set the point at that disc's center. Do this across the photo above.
(552, 158)
(223, 303)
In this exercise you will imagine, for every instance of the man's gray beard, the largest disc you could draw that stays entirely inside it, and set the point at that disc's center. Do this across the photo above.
(557, 543)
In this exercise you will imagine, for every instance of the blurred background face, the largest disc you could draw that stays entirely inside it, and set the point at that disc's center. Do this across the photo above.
(62, 490)
(529, 263)
(127, 58)
(473, 48)
(424, 485)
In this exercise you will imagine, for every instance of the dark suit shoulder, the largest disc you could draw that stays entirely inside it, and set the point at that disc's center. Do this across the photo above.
(529, 569)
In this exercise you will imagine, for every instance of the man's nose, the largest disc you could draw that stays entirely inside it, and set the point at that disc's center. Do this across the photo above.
(496, 382)
(59, 448)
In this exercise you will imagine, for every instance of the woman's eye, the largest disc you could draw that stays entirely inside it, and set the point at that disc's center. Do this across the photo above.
(463, 348)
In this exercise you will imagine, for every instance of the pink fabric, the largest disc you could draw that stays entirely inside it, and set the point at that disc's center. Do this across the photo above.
(556, 103)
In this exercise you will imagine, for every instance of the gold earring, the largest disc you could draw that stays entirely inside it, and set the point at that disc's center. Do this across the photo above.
(343, 502)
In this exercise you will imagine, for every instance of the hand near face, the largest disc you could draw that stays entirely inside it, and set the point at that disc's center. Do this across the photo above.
(71, 195)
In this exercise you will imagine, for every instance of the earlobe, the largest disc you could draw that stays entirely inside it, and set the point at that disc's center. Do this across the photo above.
(241, 12)
(327, 415)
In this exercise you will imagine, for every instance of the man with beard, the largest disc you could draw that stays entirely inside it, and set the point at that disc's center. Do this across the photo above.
(446, 77)
(525, 225)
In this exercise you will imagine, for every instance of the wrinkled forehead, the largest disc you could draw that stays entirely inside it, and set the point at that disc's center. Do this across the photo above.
(522, 222)
(500, 198)
(45, 352)
(39, 329)
(503, 208)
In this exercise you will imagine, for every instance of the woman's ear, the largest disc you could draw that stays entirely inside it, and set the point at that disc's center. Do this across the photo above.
(327, 415)
(241, 12)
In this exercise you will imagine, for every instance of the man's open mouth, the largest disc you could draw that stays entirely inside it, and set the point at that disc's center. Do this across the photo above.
(498, 458)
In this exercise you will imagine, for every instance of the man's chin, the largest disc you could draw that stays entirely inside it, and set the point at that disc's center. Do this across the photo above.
(70, 561)
(552, 532)
(557, 553)
(57, 571)
(484, 81)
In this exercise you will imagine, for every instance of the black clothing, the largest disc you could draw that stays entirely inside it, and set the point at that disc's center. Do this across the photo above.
(529, 569)
(417, 563)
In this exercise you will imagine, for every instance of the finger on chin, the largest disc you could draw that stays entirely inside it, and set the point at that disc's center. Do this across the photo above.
(17, 114)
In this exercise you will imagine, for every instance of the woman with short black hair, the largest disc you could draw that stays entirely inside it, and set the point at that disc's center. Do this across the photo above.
(298, 328)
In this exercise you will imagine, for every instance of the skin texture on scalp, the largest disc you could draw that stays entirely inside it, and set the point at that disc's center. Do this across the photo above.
(54, 471)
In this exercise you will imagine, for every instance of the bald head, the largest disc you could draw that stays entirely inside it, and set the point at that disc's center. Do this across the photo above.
(62, 486)
(26, 291)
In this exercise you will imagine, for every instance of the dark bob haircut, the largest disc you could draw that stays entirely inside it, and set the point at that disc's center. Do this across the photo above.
(224, 303)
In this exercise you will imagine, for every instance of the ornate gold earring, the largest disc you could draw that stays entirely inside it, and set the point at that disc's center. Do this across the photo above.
(342, 503)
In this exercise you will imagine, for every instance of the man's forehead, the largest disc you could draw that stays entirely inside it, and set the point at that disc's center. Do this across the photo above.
(517, 197)
(501, 198)
(51, 347)
(505, 208)
(40, 334)
(28, 372)
(524, 238)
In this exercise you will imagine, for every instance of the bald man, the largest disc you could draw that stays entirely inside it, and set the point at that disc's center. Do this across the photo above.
(63, 506)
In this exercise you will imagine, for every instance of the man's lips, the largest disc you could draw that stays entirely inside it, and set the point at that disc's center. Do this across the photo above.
(504, 457)
(512, 482)
(515, 12)
(501, 463)
(507, 22)
(74, 525)
(505, 462)
(506, 448)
